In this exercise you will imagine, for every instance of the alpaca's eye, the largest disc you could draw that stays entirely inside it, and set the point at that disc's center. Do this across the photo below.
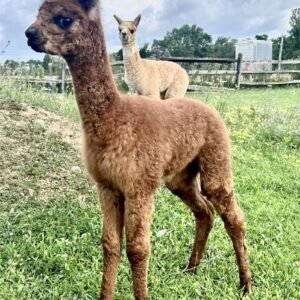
(132, 31)
(63, 22)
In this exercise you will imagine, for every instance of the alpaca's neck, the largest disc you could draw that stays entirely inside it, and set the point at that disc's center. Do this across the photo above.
(95, 89)
(131, 53)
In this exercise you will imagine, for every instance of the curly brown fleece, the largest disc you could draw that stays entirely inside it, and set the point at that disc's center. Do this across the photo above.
(131, 145)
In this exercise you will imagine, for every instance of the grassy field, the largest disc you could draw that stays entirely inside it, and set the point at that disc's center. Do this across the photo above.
(50, 225)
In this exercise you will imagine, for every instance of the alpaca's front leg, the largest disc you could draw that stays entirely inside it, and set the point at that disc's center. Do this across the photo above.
(112, 206)
(138, 216)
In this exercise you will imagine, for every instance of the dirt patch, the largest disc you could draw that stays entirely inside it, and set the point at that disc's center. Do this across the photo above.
(38, 150)
(54, 124)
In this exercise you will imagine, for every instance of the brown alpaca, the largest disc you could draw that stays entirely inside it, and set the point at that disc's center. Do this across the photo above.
(156, 79)
(132, 145)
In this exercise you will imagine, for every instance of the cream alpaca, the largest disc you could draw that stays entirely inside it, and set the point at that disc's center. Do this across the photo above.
(132, 143)
(157, 79)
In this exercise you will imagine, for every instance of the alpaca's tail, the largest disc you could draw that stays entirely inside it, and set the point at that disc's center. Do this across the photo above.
(215, 160)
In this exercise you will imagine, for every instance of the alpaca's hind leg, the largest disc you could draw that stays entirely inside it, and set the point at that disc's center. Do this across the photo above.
(178, 87)
(185, 186)
(216, 183)
(138, 216)
(174, 92)
(232, 216)
(112, 206)
(155, 94)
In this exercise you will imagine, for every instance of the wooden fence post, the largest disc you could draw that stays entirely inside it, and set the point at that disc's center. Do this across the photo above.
(63, 77)
(238, 71)
(280, 53)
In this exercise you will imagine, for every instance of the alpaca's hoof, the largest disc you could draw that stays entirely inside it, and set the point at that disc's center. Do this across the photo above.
(191, 269)
(246, 288)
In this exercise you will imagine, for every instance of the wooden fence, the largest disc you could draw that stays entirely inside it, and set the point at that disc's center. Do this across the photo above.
(228, 61)
(192, 60)
(235, 72)
(239, 76)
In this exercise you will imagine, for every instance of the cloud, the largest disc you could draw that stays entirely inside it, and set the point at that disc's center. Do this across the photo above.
(1, 33)
(232, 18)
(15, 17)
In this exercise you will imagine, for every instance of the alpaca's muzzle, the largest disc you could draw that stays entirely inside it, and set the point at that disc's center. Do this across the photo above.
(35, 41)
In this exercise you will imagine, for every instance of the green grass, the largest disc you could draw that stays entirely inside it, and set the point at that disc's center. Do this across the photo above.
(50, 225)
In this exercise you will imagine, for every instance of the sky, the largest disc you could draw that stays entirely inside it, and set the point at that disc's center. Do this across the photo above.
(231, 18)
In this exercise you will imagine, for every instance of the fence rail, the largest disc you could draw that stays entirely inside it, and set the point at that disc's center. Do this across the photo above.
(201, 60)
(257, 84)
(228, 72)
(214, 60)
(286, 62)
(226, 60)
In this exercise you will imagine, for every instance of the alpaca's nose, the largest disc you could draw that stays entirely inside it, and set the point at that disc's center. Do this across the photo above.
(31, 33)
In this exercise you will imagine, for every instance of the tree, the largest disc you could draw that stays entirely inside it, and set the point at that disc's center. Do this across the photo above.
(262, 37)
(224, 47)
(276, 47)
(185, 41)
(11, 64)
(34, 62)
(119, 55)
(291, 42)
(145, 51)
(295, 33)
(160, 49)
(46, 61)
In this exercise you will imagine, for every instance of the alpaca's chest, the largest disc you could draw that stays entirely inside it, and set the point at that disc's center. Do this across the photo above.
(113, 165)
(133, 78)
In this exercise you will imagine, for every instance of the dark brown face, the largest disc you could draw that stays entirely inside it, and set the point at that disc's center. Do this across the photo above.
(62, 27)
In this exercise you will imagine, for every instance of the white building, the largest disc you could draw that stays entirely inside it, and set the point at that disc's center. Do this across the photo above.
(257, 54)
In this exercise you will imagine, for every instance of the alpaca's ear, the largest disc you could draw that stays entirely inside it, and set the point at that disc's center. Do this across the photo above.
(119, 20)
(137, 20)
(87, 5)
